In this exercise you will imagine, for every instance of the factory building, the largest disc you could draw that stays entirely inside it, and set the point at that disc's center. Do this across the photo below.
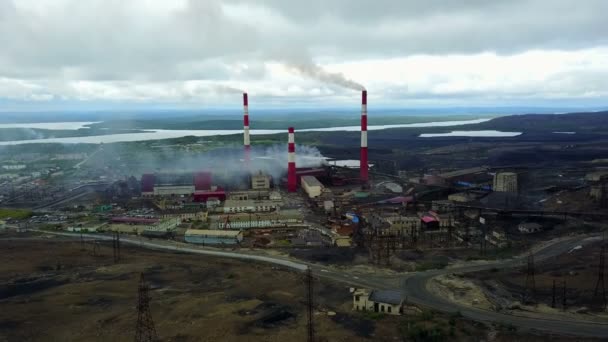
(505, 182)
(243, 206)
(404, 224)
(147, 185)
(134, 220)
(202, 181)
(213, 237)
(205, 196)
(260, 181)
(463, 197)
(174, 190)
(255, 195)
(281, 219)
(312, 186)
(181, 184)
(173, 185)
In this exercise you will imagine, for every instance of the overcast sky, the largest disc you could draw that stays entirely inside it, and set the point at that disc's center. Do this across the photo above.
(291, 53)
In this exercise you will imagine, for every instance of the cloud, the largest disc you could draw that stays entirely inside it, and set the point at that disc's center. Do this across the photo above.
(188, 50)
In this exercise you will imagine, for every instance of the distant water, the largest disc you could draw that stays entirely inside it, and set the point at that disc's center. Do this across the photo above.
(170, 134)
(412, 125)
(564, 132)
(49, 125)
(491, 134)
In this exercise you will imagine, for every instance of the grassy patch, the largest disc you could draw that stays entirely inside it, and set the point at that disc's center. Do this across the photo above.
(19, 214)
(373, 315)
(431, 265)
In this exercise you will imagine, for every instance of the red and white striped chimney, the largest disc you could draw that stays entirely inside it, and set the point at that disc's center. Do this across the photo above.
(363, 160)
(291, 162)
(246, 140)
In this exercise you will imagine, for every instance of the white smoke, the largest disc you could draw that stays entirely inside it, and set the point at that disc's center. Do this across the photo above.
(227, 163)
(315, 71)
(224, 89)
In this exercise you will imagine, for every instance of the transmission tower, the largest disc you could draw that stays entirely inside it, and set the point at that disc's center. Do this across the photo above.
(530, 290)
(553, 295)
(600, 278)
(116, 246)
(144, 330)
(564, 297)
(311, 327)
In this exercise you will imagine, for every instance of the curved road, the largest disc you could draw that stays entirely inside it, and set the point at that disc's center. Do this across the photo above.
(413, 285)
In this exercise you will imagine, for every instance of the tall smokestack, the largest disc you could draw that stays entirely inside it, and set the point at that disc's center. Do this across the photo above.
(246, 141)
(291, 162)
(363, 160)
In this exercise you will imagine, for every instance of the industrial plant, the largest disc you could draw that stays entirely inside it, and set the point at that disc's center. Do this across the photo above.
(372, 223)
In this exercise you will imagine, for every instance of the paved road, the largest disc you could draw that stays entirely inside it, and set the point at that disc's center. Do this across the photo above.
(413, 285)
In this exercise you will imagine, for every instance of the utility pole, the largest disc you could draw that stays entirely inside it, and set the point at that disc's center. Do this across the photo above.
(564, 297)
(144, 330)
(116, 246)
(311, 327)
(553, 298)
(600, 278)
(530, 290)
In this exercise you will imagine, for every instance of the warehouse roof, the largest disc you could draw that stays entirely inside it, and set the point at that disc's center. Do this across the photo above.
(213, 233)
(311, 181)
(277, 215)
(386, 296)
(248, 203)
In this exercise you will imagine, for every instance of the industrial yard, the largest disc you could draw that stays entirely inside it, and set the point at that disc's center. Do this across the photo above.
(362, 227)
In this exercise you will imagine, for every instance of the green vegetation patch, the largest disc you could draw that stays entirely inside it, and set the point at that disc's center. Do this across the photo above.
(19, 214)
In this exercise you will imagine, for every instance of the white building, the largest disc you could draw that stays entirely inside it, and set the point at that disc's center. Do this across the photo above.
(173, 190)
(505, 182)
(213, 202)
(278, 219)
(14, 167)
(238, 206)
(404, 224)
(260, 181)
(529, 228)
(312, 186)
(382, 301)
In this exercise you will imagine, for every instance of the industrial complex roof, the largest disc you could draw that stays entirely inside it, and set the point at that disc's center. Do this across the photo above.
(213, 233)
(311, 181)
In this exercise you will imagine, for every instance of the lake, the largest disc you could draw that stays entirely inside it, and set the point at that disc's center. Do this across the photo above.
(487, 134)
(170, 134)
(49, 125)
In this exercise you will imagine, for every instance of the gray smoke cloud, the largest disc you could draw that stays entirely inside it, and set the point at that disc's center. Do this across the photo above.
(226, 163)
(314, 71)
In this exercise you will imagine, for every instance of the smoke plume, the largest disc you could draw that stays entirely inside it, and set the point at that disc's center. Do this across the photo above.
(314, 71)
(224, 89)
(226, 163)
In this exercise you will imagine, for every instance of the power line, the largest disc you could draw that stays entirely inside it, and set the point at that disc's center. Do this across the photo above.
(144, 330)
(600, 278)
(530, 291)
(311, 327)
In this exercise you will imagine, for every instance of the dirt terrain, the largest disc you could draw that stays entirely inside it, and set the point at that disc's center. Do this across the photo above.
(57, 290)
(53, 290)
